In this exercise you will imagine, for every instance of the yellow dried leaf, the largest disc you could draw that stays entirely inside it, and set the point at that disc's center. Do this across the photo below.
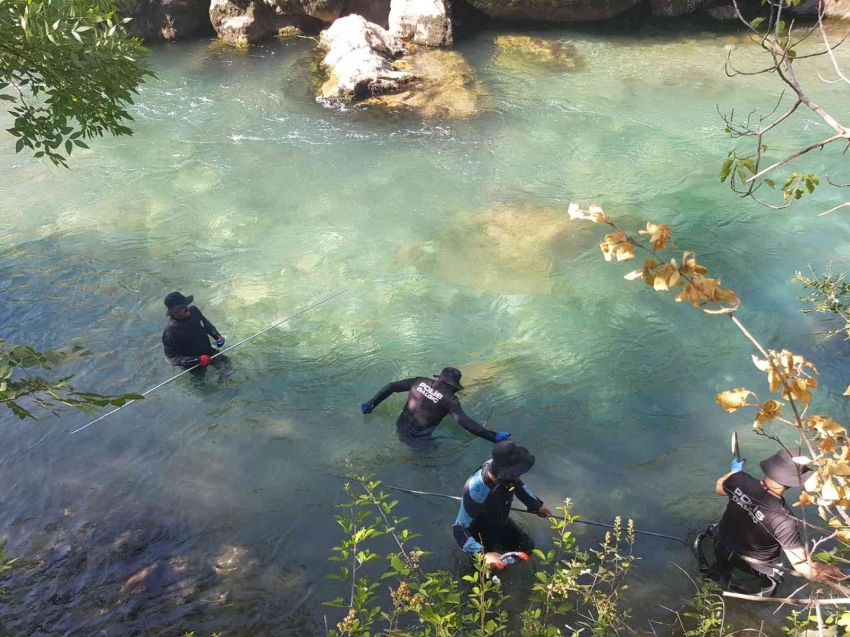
(797, 389)
(575, 211)
(733, 399)
(596, 214)
(770, 409)
(847, 391)
(659, 234)
(835, 523)
(827, 445)
(761, 364)
(667, 277)
(844, 536)
(805, 499)
(825, 426)
(635, 274)
(828, 491)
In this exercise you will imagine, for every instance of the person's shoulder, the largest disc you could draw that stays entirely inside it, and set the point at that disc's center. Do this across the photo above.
(743, 481)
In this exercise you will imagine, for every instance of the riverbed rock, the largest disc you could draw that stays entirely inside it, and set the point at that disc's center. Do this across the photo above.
(243, 22)
(165, 19)
(520, 52)
(426, 22)
(359, 60)
(442, 85)
(555, 10)
(674, 8)
(508, 248)
(834, 8)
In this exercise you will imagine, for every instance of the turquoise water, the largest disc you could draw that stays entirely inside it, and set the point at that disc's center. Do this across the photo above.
(205, 507)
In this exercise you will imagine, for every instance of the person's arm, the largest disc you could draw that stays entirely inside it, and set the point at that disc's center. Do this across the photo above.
(798, 558)
(173, 356)
(208, 326)
(471, 506)
(392, 388)
(531, 501)
(468, 423)
(719, 487)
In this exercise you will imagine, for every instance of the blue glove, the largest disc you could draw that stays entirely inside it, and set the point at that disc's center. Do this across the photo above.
(502, 436)
(219, 341)
(738, 465)
(366, 408)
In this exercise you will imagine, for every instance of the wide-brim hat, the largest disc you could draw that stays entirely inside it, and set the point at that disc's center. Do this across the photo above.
(781, 468)
(450, 376)
(510, 461)
(174, 301)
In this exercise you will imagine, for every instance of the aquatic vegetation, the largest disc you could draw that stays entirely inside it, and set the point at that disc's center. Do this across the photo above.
(509, 247)
(524, 53)
(445, 86)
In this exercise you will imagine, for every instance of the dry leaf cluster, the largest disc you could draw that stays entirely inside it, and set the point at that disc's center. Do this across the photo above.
(788, 374)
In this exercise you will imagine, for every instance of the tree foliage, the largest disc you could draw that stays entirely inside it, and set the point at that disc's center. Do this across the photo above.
(68, 70)
(822, 443)
(752, 166)
(23, 390)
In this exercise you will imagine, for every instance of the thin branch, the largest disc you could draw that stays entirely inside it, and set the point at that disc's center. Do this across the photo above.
(846, 204)
(843, 135)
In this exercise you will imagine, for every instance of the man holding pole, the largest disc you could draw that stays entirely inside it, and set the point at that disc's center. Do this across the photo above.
(186, 338)
(483, 523)
(740, 551)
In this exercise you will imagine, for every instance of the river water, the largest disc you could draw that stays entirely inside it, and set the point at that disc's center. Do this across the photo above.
(206, 507)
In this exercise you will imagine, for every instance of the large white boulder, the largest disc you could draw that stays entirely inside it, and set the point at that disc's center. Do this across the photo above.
(426, 22)
(359, 59)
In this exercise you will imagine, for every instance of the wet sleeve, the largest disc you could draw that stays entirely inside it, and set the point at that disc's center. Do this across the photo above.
(786, 532)
(524, 495)
(209, 327)
(468, 423)
(471, 506)
(172, 354)
(392, 388)
(732, 482)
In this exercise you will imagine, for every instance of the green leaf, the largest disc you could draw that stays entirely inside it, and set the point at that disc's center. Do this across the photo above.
(757, 22)
(770, 183)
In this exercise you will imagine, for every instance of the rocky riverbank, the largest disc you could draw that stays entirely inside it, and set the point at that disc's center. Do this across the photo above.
(428, 22)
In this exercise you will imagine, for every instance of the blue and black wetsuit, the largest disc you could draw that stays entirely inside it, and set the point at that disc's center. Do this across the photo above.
(428, 402)
(483, 523)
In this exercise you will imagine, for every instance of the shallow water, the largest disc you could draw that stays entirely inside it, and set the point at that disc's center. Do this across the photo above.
(205, 507)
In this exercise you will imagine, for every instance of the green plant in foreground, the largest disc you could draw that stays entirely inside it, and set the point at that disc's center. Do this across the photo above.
(21, 389)
(583, 587)
(68, 71)
(828, 294)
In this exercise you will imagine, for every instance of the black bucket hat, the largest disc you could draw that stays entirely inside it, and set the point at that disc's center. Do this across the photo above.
(510, 461)
(174, 301)
(781, 468)
(450, 376)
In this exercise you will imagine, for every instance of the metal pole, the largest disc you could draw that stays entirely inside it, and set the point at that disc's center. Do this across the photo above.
(186, 371)
(558, 517)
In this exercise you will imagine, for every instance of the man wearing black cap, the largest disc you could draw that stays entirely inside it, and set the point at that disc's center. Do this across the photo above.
(483, 523)
(186, 338)
(428, 402)
(756, 525)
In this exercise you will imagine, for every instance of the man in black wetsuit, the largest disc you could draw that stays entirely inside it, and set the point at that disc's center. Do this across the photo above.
(186, 338)
(739, 552)
(483, 524)
(428, 402)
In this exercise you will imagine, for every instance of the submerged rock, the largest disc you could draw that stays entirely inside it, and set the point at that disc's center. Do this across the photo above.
(555, 10)
(359, 60)
(509, 248)
(442, 85)
(518, 51)
(833, 8)
(426, 22)
(673, 8)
